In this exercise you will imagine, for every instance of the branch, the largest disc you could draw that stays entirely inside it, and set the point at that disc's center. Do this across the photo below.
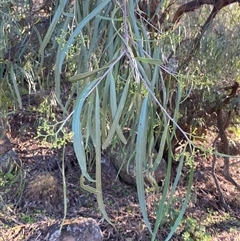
(193, 5)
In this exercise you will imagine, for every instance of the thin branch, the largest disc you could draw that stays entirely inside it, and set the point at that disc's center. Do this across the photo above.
(222, 125)
(216, 180)
(193, 5)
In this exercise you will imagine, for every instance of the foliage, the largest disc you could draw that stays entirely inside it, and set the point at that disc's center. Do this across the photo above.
(51, 130)
(128, 72)
(9, 177)
(9, 180)
(194, 231)
(53, 134)
(27, 218)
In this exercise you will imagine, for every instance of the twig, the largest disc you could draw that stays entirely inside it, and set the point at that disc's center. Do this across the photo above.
(216, 180)
(224, 140)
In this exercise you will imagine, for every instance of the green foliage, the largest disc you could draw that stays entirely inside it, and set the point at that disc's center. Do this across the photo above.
(27, 218)
(194, 231)
(171, 211)
(49, 128)
(7, 178)
(119, 84)
(54, 134)
(8, 181)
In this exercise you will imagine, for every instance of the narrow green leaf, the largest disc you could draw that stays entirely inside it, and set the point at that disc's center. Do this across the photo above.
(57, 71)
(184, 206)
(162, 208)
(162, 147)
(79, 28)
(15, 85)
(78, 143)
(98, 159)
(117, 117)
(85, 75)
(52, 26)
(141, 146)
(149, 60)
(135, 27)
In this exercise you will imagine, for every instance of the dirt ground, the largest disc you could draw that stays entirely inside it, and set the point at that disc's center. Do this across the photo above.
(32, 199)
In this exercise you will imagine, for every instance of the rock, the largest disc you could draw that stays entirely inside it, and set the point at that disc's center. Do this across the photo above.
(5, 144)
(128, 174)
(9, 162)
(109, 172)
(44, 191)
(85, 229)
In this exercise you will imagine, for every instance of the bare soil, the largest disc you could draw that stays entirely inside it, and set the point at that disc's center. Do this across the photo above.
(32, 199)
